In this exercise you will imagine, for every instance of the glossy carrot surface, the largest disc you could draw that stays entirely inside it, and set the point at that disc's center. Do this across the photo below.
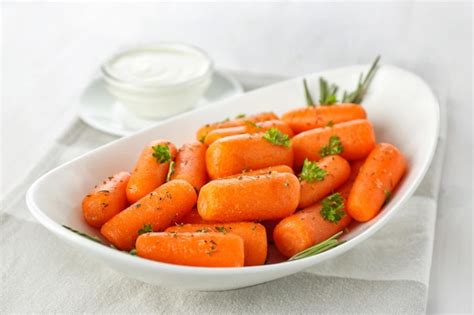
(190, 164)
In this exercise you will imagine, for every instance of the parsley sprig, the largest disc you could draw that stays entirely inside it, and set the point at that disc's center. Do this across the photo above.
(161, 152)
(147, 228)
(333, 208)
(332, 148)
(276, 137)
(320, 247)
(311, 172)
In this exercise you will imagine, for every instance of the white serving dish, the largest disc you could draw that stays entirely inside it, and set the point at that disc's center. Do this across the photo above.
(401, 106)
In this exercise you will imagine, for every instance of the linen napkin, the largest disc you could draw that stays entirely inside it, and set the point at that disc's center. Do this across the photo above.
(388, 273)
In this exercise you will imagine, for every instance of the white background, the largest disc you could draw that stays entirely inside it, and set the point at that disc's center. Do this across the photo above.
(50, 51)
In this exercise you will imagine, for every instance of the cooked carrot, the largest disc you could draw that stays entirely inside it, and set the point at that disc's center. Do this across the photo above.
(190, 164)
(204, 130)
(269, 227)
(306, 118)
(193, 217)
(154, 212)
(353, 140)
(319, 179)
(151, 169)
(253, 235)
(266, 170)
(234, 154)
(308, 227)
(193, 249)
(106, 200)
(249, 127)
(377, 178)
(249, 198)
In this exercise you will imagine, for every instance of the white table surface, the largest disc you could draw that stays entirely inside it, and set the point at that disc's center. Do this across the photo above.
(50, 52)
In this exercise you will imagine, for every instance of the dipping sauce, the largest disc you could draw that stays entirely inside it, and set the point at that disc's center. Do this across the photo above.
(159, 80)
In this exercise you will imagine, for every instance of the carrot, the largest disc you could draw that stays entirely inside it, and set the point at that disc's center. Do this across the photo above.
(321, 178)
(249, 198)
(269, 227)
(308, 227)
(249, 127)
(266, 170)
(154, 212)
(306, 118)
(204, 130)
(193, 217)
(353, 140)
(234, 154)
(193, 249)
(106, 200)
(253, 235)
(190, 164)
(151, 169)
(377, 178)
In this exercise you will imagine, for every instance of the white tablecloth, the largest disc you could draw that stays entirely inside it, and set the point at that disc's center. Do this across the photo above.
(50, 51)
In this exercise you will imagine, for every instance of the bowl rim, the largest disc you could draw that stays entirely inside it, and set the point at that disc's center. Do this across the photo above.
(123, 257)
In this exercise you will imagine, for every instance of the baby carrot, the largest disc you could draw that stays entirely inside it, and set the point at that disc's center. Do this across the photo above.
(192, 249)
(106, 200)
(318, 179)
(269, 227)
(377, 178)
(151, 169)
(253, 235)
(249, 198)
(353, 140)
(154, 212)
(234, 154)
(249, 127)
(308, 227)
(306, 118)
(193, 217)
(190, 164)
(266, 170)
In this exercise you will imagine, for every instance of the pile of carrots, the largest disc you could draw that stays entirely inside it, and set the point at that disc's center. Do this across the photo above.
(247, 184)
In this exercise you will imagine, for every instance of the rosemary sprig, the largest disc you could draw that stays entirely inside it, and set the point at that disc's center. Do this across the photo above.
(92, 238)
(307, 95)
(357, 96)
(327, 92)
(319, 248)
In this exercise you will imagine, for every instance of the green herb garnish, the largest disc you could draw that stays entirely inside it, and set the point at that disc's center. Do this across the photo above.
(334, 147)
(240, 116)
(388, 195)
(133, 252)
(251, 124)
(202, 230)
(307, 95)
(332, 208)
(92, 238)
(147, 228)
(330, 123)
(276, 137)
(327, 92)
(170, 171)
(311, 172)
(161, 152)
(357, 96)
(319, 248)
(221, 229)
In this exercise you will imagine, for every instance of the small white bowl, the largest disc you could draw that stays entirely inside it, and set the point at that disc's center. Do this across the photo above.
(159, 99)
(397, 102)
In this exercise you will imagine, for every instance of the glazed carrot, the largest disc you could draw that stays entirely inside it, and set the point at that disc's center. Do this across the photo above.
(253, 235)
(193, 217)
(318, 179)
(249, 198)
(106, 200)
(193, 249)
(151, 169)
(353, 140)
(234, 154)
(249, 127)
(269, 227)
(204, 130)
(190, 164)
(154, 212)
(377, 178)
(266, 170)
(306, 118)
(308, 227)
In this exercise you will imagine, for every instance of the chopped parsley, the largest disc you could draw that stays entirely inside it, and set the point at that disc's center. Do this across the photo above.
(251, 124)
(221, 229)
(240, 116)
(332, 208)
(334, 147)
(147, 228)
(388, 195)
(276, 137)
(133, 252)
(161, 152)
(330, 123)
(311, 172)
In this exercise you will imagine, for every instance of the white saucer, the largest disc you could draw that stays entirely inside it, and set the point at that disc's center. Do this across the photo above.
(100, 110)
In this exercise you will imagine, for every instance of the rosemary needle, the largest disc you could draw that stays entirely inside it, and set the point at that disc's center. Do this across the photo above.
(309, 99)
(320, 247)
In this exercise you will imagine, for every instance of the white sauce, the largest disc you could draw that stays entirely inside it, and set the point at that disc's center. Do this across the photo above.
(158, 66)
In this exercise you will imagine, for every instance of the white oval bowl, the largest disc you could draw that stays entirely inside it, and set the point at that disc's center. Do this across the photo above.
(401, 106)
